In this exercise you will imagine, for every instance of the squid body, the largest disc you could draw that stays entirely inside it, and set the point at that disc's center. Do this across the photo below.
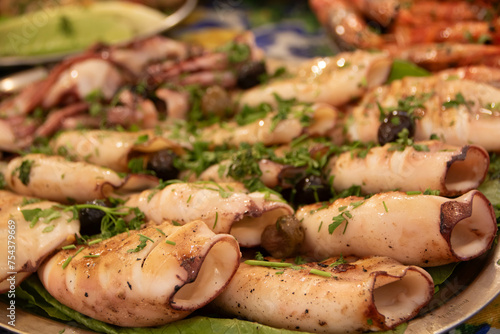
(451, 170)
(421, 230)
(224, 207)
(177, 270)
(375, 293)
(25, 243)
(55, 178)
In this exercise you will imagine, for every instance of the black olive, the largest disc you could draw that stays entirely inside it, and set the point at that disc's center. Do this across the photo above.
(284, 238)
(250, 74)
(393, 124)
(162, 163)
(90, 218)
(310, 189)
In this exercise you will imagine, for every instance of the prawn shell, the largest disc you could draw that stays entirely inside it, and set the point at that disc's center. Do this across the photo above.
(161, 283)
(370, 294)
(31, 244)
(422, 230)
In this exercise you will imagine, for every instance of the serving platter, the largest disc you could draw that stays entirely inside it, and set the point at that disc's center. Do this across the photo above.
(473, 285)
(156, 22)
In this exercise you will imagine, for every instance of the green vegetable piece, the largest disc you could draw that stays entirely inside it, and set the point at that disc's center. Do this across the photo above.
(403, 68)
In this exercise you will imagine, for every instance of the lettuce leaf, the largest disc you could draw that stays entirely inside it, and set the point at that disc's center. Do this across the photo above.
(441, 273)
(490, 189)
(40, 304)
(197, 324)
(403, 68)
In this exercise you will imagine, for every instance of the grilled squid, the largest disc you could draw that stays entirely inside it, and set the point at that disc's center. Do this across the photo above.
(319, 119)
(449, 169)
(55, 178)
(422, 230)
(25, 243)
(144, 278)
(375, 293)
(224, 207)
(111, 149)
(80, 79)
(333, 80)
(271, 173)
(459, 112)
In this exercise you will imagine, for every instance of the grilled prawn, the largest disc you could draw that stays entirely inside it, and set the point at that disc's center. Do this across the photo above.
(407, 28)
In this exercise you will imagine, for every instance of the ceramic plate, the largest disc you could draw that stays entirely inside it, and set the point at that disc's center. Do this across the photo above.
(141, 21)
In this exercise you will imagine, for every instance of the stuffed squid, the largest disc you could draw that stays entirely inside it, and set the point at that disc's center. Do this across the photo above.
(143, 278)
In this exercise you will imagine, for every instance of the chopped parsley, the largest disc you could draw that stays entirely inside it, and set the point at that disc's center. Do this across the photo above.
(24, 171)
(236, 52)
(34, 215)
(404, 140)
(337, 221)
(339, 261)
(458, 101)
(142, 243)
(137, 166)
(409, 104)
(142, 139)
(286, 265)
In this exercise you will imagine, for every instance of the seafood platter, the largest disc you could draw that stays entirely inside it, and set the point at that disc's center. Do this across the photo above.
(157, 185)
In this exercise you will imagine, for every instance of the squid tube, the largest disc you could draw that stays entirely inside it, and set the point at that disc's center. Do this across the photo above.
(144, 278)
(224, 207)
(111, 149)
(57, 179)
(375, 293)
(452, 170)
(25, 243)
(422, 230)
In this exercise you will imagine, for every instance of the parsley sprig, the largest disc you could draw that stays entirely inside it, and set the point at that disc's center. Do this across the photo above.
(275, 265)
(458, 101)
(24, 171)
(409, 104)
(404, 140)
(142, 243)
(112, 223)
